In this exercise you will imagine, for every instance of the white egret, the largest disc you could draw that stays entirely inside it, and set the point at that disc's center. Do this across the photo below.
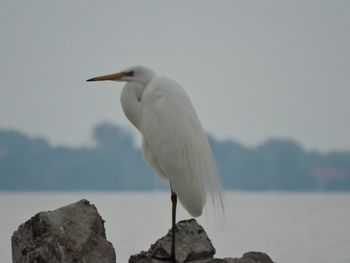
(174, 142)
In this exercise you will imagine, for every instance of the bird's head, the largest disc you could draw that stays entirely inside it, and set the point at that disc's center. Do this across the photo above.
(139, 74)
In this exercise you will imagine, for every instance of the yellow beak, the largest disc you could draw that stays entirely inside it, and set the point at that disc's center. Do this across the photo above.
(114, 76)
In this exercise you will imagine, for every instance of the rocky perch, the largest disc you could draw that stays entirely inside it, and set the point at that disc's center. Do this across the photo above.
(75, 233)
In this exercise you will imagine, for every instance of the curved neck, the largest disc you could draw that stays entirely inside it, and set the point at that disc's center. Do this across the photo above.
(131, 102)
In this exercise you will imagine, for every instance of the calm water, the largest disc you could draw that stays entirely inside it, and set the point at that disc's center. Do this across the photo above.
(290, 227)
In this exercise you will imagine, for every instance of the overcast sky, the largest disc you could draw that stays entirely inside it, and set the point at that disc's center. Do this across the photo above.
(254, 69)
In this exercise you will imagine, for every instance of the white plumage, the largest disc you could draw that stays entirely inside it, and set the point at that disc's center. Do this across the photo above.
(174, 142)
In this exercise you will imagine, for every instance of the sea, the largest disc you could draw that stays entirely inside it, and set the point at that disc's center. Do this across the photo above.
(290, 227)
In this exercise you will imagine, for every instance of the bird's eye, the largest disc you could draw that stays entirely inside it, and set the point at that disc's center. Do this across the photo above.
(130, 73)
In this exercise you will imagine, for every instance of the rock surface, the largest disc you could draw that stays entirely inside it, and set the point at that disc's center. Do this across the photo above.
(192, 245)
(74, 233)
(249, 257)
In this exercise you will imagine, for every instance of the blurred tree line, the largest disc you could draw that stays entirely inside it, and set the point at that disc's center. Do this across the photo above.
(115, 163)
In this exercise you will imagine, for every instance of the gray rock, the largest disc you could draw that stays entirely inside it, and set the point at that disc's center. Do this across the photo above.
(74, 233)
(192, 245)
(249, 257)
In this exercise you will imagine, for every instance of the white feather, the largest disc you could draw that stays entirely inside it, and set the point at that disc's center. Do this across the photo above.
(176, 145)
(174, 142)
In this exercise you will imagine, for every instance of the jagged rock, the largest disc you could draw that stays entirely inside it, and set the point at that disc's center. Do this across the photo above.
(249, 257)
(74, 233)
(192, 245)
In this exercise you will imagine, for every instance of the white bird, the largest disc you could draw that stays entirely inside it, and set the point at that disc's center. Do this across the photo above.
(174, 142)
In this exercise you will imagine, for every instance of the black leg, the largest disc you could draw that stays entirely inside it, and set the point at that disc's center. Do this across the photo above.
(172, 256)
(174, 202)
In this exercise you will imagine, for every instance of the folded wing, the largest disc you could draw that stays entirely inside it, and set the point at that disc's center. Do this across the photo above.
(176, 145)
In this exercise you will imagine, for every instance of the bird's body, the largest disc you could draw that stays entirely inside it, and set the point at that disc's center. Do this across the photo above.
(176, 147)
(174, 142)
